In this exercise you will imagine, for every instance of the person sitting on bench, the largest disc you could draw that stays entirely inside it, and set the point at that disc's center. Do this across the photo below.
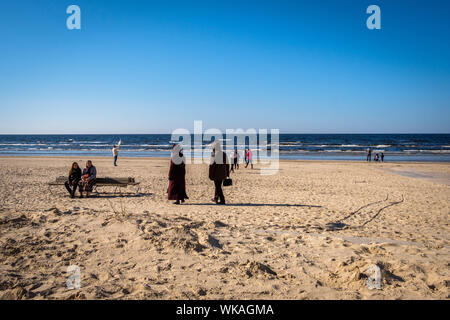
(73, 180)
(88, 179)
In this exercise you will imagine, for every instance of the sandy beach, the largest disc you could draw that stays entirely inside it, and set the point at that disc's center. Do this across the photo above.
(310, 231)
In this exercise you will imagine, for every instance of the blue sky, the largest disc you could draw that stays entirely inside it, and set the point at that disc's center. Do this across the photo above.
(154, 66)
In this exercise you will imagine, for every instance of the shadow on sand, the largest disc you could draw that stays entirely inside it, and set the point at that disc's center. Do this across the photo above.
(255, 205)
(120, 195)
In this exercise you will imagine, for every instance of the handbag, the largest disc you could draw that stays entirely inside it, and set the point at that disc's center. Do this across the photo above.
(227, 182)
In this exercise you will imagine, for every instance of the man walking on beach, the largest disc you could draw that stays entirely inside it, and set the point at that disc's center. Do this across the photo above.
(369, 155)
(234, 160)
(115, 152)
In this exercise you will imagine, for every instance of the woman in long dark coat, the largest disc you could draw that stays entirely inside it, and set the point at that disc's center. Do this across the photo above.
(177, 173)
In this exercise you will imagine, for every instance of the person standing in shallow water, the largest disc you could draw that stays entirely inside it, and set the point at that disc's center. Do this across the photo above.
(382, 157)
(219, 170)
(177, 176)
(369, 155)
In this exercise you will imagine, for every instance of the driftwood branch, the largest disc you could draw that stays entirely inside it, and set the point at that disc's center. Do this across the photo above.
(363, 207)
(340, 225)
(379, 211)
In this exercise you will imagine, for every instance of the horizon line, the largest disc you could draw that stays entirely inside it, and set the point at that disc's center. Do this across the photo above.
(347, 133)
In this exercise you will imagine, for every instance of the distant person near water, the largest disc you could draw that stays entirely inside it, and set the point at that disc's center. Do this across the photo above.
(219, 170)
(74, 178)
(234, 160)
(88, 179)
(369, 155)
(115, 152)
(382, 157)
(375, 158)
(177, 176)
(249, 158)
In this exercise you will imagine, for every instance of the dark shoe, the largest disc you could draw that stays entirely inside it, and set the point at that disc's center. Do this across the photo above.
(68, 190)
(222, 203)
(177, 202)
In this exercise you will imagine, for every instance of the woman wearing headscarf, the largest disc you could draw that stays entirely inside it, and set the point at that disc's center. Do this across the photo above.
(74, 177)
(219, 170)
(177, 176)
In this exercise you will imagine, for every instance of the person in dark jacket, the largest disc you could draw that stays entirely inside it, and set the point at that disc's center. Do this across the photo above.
(88, 179)
(219, 170)
(234, 160)
(73, 180)
(177, 174)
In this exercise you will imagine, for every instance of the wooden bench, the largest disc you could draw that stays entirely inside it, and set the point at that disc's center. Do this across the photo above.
(118, 183)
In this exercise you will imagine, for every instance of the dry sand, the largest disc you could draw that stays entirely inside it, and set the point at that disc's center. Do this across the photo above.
(308, 232)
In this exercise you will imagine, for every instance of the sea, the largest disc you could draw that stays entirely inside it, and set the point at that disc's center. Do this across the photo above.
(353, 147)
